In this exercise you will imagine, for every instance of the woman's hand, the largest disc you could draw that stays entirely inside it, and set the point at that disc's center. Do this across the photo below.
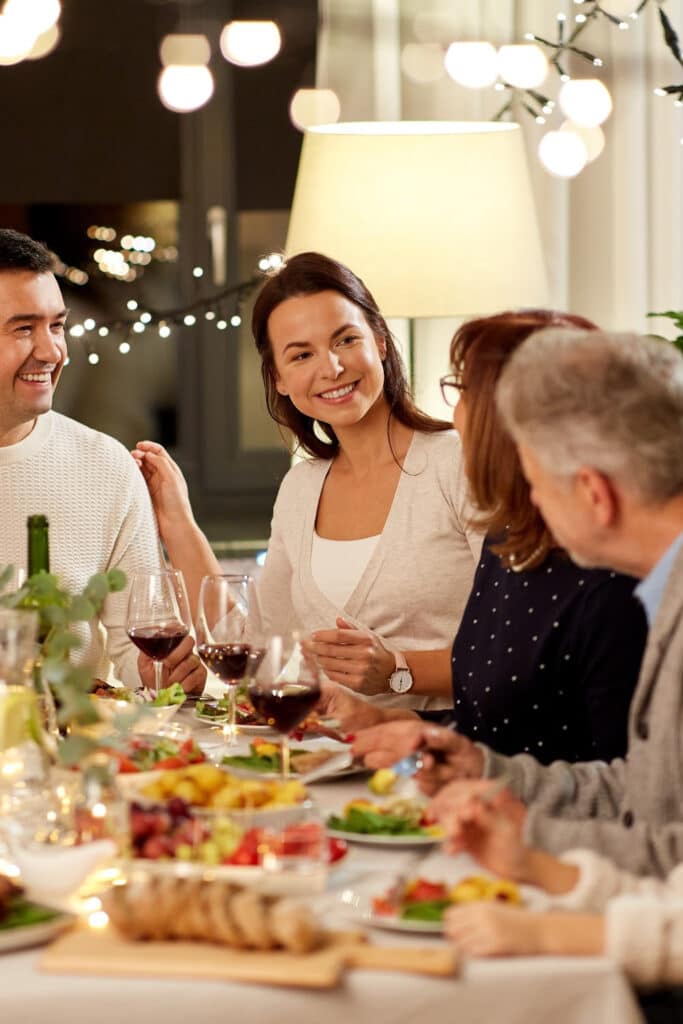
(352, 713)
(489, 929)
(490, 829)
(182, 666)
(446, 754)
(354, 657)
(166, 485)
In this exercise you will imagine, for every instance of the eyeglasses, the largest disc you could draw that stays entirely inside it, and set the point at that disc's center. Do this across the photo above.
(451, 388)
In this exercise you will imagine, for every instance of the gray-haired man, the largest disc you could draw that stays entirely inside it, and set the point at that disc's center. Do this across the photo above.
(598, 419)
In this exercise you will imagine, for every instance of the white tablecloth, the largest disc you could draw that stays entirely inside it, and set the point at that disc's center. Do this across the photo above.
(521, 991)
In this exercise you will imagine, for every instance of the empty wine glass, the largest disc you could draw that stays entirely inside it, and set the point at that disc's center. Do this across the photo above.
(222, 641)
(284, 688)
(158, 615)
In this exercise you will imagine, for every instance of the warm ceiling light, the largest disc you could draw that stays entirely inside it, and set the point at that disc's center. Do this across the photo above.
(16, 39)
(474, 65)
(563, 154)
(45, 43)
(249, 43)
(314, 106)
(525, 65)
(586, 101)
(185, 50)
(183, 88)
(37, 15)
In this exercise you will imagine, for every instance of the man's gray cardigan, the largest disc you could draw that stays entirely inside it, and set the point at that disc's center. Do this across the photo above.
(632, 809)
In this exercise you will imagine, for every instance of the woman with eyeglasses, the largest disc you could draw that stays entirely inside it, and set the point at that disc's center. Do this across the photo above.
(373, 530)
(547, 654)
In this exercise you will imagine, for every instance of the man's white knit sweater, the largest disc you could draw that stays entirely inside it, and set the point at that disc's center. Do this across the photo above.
(100, 518)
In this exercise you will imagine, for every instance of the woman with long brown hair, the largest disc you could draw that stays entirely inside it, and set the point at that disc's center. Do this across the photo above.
(372, 531)
(547, 654)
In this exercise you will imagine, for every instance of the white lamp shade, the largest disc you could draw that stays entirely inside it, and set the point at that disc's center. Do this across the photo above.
(437, 217)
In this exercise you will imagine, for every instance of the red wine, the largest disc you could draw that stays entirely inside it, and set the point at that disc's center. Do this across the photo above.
(228, 661)
(285, 705)
(157, 642)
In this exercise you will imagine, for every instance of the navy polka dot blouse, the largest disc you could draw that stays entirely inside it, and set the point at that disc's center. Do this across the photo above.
(546, 660)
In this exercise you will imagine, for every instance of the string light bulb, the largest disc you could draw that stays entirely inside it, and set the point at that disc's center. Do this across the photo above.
(524, 65)
(474, 65)
(586, 101)
(593, 137)
(186, 83)
(250, 43)
(563, 154)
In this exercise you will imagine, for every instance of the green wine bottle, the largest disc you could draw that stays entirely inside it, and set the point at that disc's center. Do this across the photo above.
(38, 545)
(39, 561)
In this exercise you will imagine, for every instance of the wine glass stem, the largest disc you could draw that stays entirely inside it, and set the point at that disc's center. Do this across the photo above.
(230, 727)
(284, 756)
(158, 677)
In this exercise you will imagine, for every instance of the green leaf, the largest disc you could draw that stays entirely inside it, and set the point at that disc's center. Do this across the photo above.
(117, 580)
(60, 643)
(97, 587)
(6, 576)
(75, 749)
(82, 610)
(55, 615)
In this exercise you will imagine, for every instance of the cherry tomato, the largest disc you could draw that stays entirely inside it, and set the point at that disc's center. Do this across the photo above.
(422, 891)
(336, 849)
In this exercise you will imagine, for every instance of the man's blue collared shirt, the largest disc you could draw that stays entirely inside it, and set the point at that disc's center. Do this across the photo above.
(651, 590)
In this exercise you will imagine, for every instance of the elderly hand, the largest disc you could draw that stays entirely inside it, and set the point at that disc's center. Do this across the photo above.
(490, 829)
(446, 754)
(182, 666)
(166, 485)
(489, 929)
(354, 657)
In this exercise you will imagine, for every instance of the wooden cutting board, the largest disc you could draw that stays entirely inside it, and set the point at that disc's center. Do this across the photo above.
(84, 951)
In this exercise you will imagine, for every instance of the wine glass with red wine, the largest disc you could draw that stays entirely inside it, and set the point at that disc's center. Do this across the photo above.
(285, 688)
(222, 635)
(158, 615)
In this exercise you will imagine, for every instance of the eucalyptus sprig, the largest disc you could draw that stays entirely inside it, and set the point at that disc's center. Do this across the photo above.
(58, 612)
(676, 316)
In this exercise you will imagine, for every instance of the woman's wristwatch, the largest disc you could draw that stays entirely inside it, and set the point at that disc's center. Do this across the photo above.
(401, 679)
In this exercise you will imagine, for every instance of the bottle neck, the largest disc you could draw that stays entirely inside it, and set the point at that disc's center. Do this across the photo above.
(38, 548)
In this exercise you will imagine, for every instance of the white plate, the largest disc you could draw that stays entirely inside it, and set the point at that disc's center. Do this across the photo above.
(316, 744)
(32, 934)
(368, 839)
(357, 903)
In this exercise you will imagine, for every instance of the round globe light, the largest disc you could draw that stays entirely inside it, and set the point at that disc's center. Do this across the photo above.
(45, 43)
(524, 66)
(593, 137)
(185, 49)
(586, 101)
(619, 8)
(563, 154)
(249, 43)
(16, 39)
(38, 15)
(314, 106)
(474, 65)
(183, 88)
(422, 62)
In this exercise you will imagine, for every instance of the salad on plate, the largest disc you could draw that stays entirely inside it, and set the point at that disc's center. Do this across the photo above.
(398, 818)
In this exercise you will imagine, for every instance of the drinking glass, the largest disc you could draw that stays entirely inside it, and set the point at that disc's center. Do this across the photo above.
(23, 763)
(285, 688)
(221, 630)
(158, 615)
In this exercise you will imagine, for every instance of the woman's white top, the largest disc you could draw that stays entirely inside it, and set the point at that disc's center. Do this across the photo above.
(416, 582)
(337, 565)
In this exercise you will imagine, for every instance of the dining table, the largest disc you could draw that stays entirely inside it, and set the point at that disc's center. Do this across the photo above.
(519, 990)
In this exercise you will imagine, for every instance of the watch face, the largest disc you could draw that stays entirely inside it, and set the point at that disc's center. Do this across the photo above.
(401, 680)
